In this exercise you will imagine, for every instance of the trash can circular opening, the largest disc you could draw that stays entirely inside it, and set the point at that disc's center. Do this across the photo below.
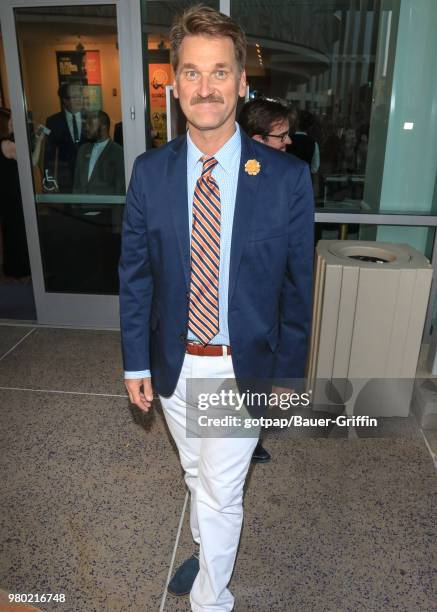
(369, 258)
(372, 254)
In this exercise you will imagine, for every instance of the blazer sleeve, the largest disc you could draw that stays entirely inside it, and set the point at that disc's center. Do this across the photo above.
(296, 293)
(136, 283)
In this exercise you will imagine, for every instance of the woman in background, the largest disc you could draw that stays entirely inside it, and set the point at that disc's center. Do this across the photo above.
(4, 122)
(16, 264)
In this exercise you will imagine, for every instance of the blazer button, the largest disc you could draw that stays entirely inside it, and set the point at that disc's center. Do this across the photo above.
(182, 337)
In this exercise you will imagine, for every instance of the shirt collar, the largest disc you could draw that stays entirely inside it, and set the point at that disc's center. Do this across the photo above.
(101, 144)
(70, 114)
(225, 156)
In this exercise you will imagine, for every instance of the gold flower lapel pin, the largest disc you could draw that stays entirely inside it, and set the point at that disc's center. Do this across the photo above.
(252, 167)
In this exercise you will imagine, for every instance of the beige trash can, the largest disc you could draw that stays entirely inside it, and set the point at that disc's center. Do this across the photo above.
(370, 301)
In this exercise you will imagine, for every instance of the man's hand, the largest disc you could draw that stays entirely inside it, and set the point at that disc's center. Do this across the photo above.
(143, 399)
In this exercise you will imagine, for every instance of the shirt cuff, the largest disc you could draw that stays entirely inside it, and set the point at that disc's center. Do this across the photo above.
(139, 374)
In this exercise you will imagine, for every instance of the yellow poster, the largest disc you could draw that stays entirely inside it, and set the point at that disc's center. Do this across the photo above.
(160, 75)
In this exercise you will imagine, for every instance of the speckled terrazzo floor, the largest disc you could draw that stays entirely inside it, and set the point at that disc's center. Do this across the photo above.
(91, 499)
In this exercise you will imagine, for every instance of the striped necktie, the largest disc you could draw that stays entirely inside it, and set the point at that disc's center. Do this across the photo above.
(203, 314)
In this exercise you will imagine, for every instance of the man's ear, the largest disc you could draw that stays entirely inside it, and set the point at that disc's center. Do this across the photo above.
(175, 89)
(242, 85)
(258, 137)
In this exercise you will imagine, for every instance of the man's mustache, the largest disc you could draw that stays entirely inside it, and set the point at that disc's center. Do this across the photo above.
(208, 100)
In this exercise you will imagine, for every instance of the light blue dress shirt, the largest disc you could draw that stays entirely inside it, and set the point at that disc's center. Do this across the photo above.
(226, 175)
(69, 118)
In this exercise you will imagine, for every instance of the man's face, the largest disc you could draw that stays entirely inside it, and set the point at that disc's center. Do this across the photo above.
(74, 101)
(278, 135)
(208, 81)
(92, 128)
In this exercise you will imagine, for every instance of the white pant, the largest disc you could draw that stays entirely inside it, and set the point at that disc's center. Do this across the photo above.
(215, 471)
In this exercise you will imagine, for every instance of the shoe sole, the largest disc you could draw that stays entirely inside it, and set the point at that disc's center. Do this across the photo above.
(261, 460)
(173, 594)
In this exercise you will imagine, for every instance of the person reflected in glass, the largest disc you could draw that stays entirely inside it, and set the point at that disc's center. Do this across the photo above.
(118, 133)
(302, 145)
(16, 265)
(5, 114)
(99, 166)
(361, 152)
(66, 135)
(349, 158)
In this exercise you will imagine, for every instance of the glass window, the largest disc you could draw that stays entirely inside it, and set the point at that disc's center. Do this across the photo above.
(351, 73)
(319, 58)
(70, 69)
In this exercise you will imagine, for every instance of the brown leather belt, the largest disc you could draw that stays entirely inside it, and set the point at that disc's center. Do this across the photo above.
(210, 350)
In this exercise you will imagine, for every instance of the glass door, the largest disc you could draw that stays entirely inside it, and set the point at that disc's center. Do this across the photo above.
(78, 127)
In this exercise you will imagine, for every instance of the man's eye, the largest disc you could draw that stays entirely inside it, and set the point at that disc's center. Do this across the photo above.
(221, 74)
(191, 75)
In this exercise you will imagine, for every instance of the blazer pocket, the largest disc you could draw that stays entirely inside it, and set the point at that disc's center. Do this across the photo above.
(266, 233)
(273, 337)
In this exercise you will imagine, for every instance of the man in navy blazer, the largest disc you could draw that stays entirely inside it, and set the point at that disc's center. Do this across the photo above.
(263, 288)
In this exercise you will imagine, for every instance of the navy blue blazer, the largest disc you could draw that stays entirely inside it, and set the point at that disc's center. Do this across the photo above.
(271, 263)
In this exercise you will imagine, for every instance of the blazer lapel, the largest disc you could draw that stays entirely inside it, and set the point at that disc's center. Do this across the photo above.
(100, 159)
(178, 198)
(244, 206)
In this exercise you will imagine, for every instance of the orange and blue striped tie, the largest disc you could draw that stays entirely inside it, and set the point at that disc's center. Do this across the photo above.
(203, 315)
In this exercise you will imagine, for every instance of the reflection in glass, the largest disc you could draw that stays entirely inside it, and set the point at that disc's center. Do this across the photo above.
(99, 165)
(65, 134)
(70, 70)
(319, 58)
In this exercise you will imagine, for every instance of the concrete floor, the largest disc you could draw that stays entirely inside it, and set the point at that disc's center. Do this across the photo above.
(93, 504)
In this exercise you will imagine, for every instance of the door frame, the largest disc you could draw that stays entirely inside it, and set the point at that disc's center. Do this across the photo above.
(77, 310)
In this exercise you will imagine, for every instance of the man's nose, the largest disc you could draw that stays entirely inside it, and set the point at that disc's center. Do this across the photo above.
(204, 86)
(288, 140)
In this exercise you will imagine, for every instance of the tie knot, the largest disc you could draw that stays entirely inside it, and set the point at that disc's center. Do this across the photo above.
(209, 163)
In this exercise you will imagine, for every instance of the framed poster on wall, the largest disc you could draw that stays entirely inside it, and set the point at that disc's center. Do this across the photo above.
(160, 76)
(82, 68)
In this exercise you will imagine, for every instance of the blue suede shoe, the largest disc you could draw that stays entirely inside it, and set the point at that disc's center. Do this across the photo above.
(184, 577)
